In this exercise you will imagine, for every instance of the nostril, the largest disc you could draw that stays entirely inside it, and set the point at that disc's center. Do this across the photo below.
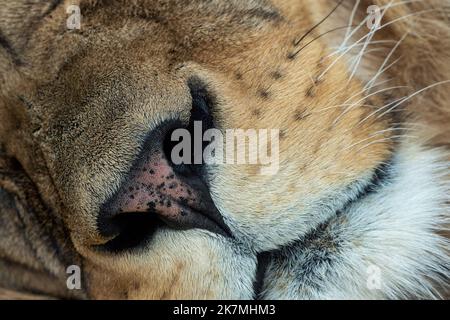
(201, 107)
(201, 120)
(129, 230)
(159, 191)
(185, 169)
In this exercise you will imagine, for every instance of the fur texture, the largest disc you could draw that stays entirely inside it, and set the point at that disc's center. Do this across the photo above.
(364, 136)
(376, 235)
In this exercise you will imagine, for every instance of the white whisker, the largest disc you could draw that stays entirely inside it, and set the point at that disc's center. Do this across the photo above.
(367, 35)
(376, 111)
(384, 140)
(358, 45)
(381, 69)
(364, 98)
(352, 17)
(376, 134)
(412, 96)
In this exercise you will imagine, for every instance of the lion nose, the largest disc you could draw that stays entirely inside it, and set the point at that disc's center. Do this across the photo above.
(156, 193)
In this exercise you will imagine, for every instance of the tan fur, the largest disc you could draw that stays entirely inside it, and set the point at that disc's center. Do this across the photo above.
(75, 107)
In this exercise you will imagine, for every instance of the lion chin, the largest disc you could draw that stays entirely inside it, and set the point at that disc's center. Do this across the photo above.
(224, 149)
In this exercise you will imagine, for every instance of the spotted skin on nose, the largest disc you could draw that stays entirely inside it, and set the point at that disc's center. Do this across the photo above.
(153, 187)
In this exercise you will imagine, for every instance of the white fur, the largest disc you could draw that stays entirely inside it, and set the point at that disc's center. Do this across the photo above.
(394, 230)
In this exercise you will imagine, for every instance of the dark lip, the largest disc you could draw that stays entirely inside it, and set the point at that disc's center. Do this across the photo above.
(138, 240)
(208, 218)
(135, 233)
(381, 176)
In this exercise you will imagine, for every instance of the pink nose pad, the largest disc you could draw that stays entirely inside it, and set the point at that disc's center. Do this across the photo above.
(154, 188)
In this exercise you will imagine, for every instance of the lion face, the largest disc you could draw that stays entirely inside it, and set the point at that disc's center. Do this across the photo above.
(100, 104)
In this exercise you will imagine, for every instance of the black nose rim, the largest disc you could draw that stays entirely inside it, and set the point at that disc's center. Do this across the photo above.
(209, 220)
(201, 112)
(133, 230)
(129, 231)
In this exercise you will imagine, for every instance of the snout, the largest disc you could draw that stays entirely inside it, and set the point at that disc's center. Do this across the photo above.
(158, 193)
